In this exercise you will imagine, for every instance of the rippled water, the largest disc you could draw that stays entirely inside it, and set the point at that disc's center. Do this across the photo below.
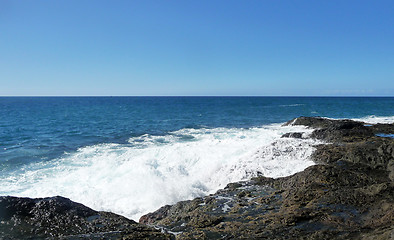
(132, 155)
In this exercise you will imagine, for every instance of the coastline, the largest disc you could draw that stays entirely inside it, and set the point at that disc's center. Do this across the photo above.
(348, 194)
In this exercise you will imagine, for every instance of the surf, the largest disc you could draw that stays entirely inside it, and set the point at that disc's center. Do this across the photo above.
(150, 171)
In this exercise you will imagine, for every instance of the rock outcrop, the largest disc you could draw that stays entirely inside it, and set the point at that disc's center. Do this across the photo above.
(61, 218)
(349, 194)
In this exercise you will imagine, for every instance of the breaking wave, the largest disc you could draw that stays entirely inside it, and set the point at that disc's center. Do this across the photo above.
(151, 171)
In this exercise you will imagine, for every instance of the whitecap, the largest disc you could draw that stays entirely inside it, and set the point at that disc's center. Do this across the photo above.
(372, 119)
(151, 171)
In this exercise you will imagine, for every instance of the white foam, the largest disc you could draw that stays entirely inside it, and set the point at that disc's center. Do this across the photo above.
(376, 119)
(372, 119)
(151, 171)
(291, 105)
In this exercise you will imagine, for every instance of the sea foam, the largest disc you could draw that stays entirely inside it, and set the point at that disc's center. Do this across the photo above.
(151, 171)
(372, 119)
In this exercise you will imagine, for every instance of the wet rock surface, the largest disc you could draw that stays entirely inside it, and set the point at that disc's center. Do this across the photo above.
(61, 218)
(349, 194)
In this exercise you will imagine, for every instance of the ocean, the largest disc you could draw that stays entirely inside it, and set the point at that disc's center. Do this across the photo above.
(132, 155)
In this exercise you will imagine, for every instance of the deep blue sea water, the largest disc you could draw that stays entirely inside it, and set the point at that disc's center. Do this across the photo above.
(42, 138)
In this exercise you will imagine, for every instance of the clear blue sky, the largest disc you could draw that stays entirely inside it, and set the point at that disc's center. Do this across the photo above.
(260, 48)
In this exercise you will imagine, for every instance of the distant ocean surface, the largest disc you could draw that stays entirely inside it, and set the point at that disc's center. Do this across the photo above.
(132, 155)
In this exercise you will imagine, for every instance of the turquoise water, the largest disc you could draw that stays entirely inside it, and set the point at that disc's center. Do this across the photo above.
(44, 139)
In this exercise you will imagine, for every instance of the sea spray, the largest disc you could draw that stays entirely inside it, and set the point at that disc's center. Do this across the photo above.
(372, 119)
(151, 171)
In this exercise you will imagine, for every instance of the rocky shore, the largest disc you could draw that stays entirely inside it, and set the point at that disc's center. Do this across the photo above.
(61, 218)
(348, 194)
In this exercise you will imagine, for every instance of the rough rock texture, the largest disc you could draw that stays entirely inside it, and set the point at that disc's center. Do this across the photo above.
(335, 130)
(292, 135)
(348, 195)
(61, 218)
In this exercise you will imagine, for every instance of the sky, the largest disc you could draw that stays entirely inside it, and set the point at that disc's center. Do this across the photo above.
(196, 48)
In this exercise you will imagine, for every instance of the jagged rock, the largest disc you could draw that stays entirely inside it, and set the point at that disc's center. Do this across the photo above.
(292, 135)
(382, 128)
(61, 218)
(348, 195)
(159, 214)
(313, 122)
(335, 130)
(375, 152)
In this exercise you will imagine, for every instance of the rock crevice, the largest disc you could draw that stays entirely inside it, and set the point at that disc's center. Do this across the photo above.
(348, 194)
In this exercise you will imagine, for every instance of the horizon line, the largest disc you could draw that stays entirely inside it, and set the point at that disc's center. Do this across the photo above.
(195, 96)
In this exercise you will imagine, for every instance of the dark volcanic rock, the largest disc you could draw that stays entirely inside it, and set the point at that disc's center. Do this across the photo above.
(335, 130)
(61, 218)
(313, 122)
(375, 152)
(293, 135)
(349, 195)
(383, 128)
